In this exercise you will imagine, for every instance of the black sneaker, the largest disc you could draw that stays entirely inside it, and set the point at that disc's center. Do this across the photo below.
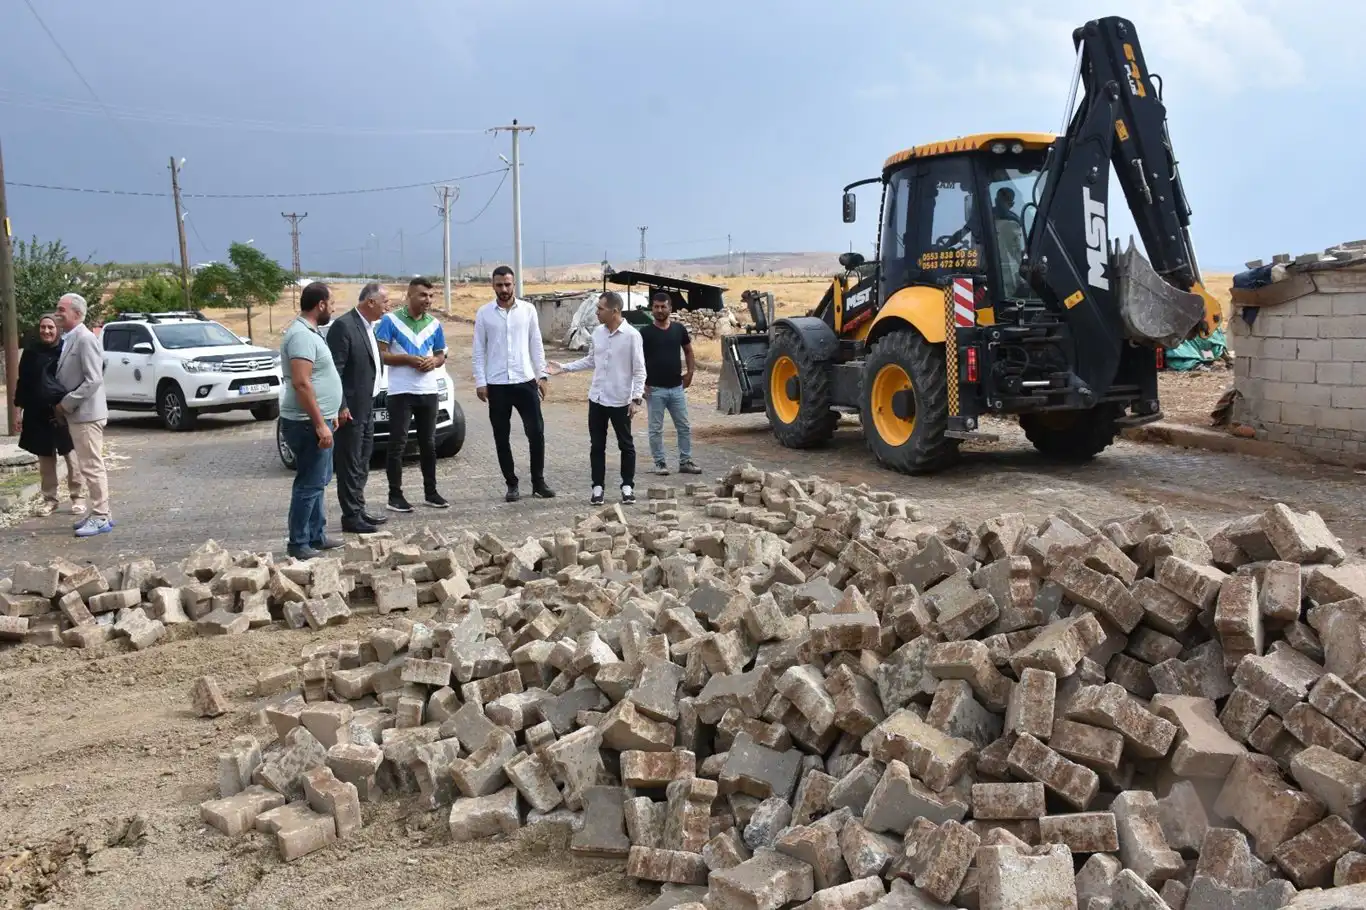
(661, 469)
(513, 494)
(541, 491)
(688, 467)
(597, 498)
(436, 501)
(628, 493)
(398, 504)
(327, 543)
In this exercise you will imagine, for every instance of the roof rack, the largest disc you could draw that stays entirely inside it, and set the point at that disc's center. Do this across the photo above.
(158, 317)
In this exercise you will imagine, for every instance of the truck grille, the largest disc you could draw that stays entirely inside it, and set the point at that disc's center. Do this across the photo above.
(247, 365)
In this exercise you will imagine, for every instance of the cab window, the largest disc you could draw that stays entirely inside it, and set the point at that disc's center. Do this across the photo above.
(115, 339)
(953, 244)
(138, 334)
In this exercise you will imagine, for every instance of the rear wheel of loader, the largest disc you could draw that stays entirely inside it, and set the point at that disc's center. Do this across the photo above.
(798, 399)
(906, 404)
(1072, 436)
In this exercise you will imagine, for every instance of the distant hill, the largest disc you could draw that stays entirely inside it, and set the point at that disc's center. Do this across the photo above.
(786, 264)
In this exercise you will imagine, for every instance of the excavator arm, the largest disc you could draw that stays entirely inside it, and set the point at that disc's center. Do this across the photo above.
(1110, 298)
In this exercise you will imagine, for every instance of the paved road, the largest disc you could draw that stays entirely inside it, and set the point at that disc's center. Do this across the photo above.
(171, 492)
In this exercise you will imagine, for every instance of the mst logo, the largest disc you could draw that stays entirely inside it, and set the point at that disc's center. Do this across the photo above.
(1097, 239)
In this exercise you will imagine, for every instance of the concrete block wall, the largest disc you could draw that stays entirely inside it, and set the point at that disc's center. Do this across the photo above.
(1301, 368)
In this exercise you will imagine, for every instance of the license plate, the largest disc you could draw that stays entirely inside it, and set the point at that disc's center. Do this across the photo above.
(253, 389)
(381, 415)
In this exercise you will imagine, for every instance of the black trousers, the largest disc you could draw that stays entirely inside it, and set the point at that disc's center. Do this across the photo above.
(422, 409)
(525, 399)
(599, 416)
(354, 446)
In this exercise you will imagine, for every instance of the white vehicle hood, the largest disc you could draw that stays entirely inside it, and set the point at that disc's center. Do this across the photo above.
(221, 352)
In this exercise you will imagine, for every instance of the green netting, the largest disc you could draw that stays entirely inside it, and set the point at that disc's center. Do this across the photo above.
(1190, 354)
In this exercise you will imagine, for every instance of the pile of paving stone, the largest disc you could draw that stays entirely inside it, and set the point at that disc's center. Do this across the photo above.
(777, 692)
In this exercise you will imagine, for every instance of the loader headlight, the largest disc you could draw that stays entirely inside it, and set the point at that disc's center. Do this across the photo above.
(998, 148)
(1017, 148)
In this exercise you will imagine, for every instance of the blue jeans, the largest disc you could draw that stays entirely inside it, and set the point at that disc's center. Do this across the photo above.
(312, 473)
(675, 402)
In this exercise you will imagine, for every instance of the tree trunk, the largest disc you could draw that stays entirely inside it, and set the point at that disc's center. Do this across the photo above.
(250, 335)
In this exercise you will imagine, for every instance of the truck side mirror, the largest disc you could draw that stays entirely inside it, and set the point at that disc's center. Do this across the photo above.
(851, 260)
(143, 347)
(850, 208)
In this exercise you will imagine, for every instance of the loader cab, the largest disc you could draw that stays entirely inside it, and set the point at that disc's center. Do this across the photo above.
(959, 212)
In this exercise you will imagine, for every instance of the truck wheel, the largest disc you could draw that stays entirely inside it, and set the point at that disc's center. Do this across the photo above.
(176, 415)
(286, 453)
(270, 410)
(1072, 436)
(798, 394)
(906, 404)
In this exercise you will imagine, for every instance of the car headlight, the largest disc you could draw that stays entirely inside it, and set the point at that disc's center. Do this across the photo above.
(443, 387)
(199, 366)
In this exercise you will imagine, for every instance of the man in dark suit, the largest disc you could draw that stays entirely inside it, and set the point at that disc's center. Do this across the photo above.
(352, 342)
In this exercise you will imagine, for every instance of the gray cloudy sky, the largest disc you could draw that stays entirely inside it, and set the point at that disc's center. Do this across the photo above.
(698, 119)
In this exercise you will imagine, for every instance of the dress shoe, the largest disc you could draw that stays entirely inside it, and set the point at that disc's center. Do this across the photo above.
(328, 543)
(513, 494)
(373, 519)
(541, 491)
(303, 553)
(359, 527)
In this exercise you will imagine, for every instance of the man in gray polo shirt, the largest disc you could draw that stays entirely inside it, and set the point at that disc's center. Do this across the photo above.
(308, 415)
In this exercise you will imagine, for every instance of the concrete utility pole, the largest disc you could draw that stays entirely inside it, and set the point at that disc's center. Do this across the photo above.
(516, 131)
(11, 307)
(293, 218)
(642, 246)
(443, 208)
(180, 227)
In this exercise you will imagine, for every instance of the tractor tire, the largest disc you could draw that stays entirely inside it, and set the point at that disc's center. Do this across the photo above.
(1072, 436)
(904, 362)
(798, 399)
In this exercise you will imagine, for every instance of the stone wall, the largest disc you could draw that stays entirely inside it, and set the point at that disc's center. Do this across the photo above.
(1301, 360)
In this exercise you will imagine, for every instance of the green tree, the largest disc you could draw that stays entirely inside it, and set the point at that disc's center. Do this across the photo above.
(43, 272)
(154, 294)
(253, 279)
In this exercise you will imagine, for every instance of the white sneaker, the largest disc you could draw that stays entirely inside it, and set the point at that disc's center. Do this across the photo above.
(77, 507)
(628, 495)
(597, 496)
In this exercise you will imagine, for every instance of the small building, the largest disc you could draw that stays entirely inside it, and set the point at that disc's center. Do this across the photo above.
(1299, 332)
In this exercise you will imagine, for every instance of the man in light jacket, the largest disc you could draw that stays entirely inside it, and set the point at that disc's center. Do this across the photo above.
(80, 370)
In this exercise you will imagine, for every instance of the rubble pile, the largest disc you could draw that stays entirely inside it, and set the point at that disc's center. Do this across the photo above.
(708, 324)
(776, 692)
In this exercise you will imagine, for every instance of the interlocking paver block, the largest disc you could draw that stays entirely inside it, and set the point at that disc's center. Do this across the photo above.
(1203, 748)
(237, 814)
(971, 661)
(1142, 845)
(818, 846)
(1308, 858)
(1008, 801)
(1109, 706)
(1105, 594)
(899, 799)
(946, 859)
(1010, 879)
(956, 711)
(857, 707)
(604, 824)
(1258, 798)
(1061, 645)
(932, 756)
(1283, 677)
(1030, 708)
(1310, 727)
(1032, 760)
(1081, 832)
(473, 818)
(767, 881)
(1337, 781)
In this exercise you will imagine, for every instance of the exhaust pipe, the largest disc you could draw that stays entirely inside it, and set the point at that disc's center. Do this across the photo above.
(1152, 310)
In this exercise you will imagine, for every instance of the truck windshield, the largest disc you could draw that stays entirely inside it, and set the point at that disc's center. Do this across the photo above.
(1012, 193)
(194, 335)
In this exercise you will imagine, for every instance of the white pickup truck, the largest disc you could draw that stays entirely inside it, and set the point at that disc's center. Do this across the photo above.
(184, 364)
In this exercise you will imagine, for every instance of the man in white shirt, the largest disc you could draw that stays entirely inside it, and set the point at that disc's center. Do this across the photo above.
(617, 359)
(510, 374)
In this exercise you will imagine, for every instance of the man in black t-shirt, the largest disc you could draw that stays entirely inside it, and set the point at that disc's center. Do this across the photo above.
(666, 383)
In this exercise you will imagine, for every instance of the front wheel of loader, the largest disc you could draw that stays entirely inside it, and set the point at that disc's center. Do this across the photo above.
(1072, 436)
(906, 404)
(798, 400)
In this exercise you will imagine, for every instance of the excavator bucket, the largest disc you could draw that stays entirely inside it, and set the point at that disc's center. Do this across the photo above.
(1153, 311)
(740, 389)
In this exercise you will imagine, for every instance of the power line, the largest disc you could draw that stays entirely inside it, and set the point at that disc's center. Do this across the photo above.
(210, 121)
(379, 189)
(491, 198)
(86, 82)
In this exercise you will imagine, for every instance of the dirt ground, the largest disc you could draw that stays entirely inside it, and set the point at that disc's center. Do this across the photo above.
(105, 765)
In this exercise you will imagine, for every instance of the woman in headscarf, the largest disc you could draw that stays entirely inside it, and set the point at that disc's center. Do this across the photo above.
(39, 431)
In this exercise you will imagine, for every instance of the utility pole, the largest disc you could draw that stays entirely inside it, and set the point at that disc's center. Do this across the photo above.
(642, 246)
(293, 218)
(516, 198)
(180, 226)
(443, 208)
(728, 265)
(742, 263)
(11, 307)
(544, 279)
